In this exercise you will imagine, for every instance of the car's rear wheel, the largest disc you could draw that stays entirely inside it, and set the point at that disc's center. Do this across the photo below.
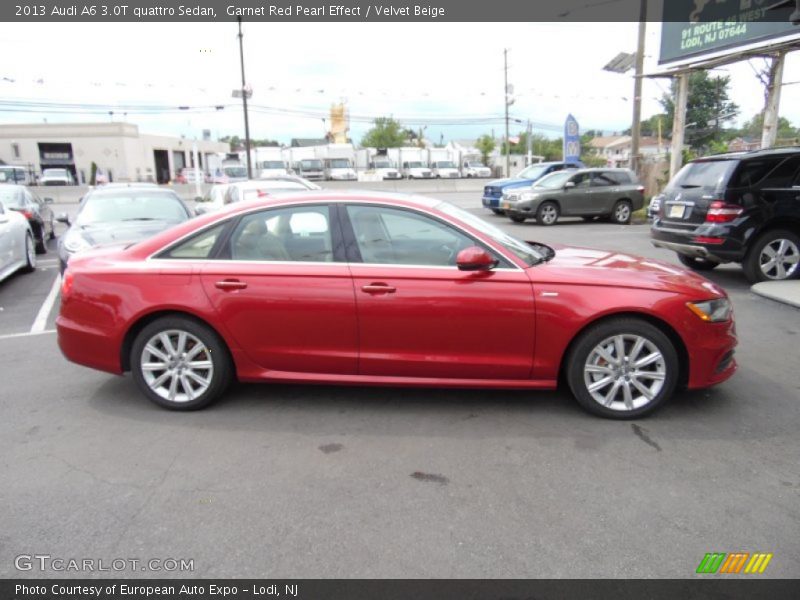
(41, 240)
(180, 364)
(775, 256)
(697, 264)
(622, 369)
(517, 218)
(621, 214)
(30, 254)
(547, 213)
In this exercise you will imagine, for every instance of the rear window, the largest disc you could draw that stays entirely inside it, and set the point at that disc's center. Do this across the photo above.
(706, 174)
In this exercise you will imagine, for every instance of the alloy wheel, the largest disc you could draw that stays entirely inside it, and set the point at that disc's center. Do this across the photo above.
(624, 372)
(779, 259)
(622, 213)
(177, 366)
(549, 214)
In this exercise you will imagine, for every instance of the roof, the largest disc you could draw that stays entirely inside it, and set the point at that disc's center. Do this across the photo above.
(305, 142)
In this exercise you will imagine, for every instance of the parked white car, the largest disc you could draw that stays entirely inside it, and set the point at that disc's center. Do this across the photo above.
(56, 177)
(272, 168)
(416, 170)
(445, 169)
(17, 248)
(476, 169)
(242, 191)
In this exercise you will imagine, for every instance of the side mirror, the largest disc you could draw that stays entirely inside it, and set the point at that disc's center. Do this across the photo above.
(569, 185)
(63, 218)
(475, 258)
(48, 200)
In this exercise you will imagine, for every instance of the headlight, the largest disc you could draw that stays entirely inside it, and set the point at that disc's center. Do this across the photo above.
(527, 196)
(712, 311)
(74, 242)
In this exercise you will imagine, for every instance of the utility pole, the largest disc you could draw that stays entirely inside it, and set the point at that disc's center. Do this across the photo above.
(679, 124)
(529, 130)
(636, 127)
(505, 95)
(244, 104)
(769, 134)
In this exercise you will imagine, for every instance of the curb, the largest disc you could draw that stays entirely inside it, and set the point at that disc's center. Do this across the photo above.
(786, 292)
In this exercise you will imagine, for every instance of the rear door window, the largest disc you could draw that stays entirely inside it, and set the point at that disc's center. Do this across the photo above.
(752, 172)
(784, 175)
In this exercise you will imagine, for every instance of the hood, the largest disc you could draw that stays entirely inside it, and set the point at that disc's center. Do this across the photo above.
(123, 232)
(513, 182)
(601, 267)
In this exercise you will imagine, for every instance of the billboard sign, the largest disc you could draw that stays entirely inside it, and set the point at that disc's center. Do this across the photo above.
(695, 27)
(572, 140)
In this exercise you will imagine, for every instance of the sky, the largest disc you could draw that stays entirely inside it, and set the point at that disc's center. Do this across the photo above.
(448, 76)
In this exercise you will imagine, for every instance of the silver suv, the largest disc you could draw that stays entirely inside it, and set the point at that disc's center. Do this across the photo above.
(589, 193)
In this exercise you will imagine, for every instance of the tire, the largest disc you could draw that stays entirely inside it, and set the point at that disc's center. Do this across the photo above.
(52, 230)
(697, 264)
(41, 241)
(596, 348)
(773, 257)
(171, 392)
(517, 218)
(497, 211)
(547, 213)
(30, 254)
(621, 213)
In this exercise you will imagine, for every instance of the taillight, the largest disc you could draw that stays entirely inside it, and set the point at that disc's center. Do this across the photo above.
(719, 212)
(262, 194)
(66, 284)
(28, 214)
(640, 189)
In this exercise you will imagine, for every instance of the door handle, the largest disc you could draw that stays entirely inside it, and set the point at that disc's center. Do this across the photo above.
(230, 284)
(378, 288)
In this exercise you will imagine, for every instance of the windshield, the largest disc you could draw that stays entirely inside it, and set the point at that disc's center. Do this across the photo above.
(517, 247)
(235, 171)
(340, 163)
(10, 196)
(706, 174)
(12, 174)
(415, 165)
(445, 164)
(383, 164)
(533, 172)
(554, 180)
(55, 172)
(311, 164)
(272, 164)
(136, 206)
(475, 165)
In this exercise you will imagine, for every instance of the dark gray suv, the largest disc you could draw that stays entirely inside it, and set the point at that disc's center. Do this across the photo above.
(587, 193)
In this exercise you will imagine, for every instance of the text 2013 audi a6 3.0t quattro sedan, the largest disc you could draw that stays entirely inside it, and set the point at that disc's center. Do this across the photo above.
(325, 287)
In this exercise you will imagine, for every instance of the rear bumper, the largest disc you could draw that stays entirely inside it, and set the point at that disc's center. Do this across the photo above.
(88, 347)
(683, 242)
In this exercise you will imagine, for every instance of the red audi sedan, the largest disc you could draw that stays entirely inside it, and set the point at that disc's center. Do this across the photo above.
(377, 289)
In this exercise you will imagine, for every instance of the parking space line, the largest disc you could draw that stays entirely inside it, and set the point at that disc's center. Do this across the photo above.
(41, 318)
(9, 336)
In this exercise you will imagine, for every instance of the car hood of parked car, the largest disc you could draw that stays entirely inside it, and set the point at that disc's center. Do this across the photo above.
(600, 267)
(103, 234)
(513, 182)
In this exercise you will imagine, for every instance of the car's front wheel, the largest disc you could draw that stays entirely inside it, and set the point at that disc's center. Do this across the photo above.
(547, 213)
(180, 364)
(497, 211)
(622, 368)
(775, 256)
(697, 264)
(517, 218)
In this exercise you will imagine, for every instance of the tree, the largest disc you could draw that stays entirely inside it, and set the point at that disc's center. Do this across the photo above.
(485, 145)
(385, 133)
(754, 127)
(707, 108)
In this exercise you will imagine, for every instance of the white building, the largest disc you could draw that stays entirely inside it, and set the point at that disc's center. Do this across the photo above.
(118, 150)
(616, 149)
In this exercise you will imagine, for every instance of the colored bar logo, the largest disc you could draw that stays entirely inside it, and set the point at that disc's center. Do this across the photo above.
(733, 563)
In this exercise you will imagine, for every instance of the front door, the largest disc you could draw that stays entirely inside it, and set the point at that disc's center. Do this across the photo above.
(419, 315)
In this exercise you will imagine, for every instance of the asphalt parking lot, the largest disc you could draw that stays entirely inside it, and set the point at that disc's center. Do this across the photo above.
(326, 482)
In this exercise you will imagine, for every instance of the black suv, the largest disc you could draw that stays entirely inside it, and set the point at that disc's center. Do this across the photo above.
(742, 207)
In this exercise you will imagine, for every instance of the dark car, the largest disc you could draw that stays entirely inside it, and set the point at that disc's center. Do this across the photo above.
(115, 215)
(494, 190)
(37, 211)
(589, 193)
(742, 208)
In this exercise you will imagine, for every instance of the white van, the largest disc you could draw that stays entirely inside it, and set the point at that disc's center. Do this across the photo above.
(14, 174)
